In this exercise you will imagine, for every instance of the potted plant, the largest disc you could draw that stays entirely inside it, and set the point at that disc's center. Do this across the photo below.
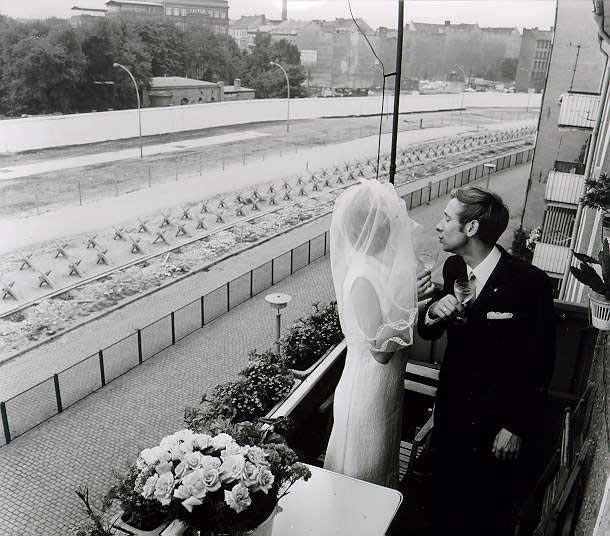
(311, 338)
(597, 196)
(97, 523)
(599, 299)
(220, 483)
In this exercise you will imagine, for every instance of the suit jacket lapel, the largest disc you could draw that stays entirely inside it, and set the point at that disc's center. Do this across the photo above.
(498, 277)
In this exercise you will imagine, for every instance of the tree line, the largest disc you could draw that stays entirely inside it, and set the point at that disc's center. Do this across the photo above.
(50, 67)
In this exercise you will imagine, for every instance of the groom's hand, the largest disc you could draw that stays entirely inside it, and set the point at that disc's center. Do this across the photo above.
(446, 308)
(506, 445)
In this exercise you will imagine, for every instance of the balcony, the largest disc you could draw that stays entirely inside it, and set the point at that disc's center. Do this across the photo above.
(578, 110)
(551, 258)
(564, 187)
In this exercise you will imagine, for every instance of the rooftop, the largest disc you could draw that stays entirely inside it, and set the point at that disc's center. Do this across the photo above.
(163, 82)
(78, 8)
(136, 2)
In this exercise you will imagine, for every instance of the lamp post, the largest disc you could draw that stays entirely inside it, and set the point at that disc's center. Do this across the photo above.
(278, 302)
(135, 85)
(288, 93)
(490, 168)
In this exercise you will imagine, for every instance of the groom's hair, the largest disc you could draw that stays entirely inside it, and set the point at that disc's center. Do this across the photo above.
(487, 208)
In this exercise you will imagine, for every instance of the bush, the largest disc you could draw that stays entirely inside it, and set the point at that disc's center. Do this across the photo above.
(310, 337)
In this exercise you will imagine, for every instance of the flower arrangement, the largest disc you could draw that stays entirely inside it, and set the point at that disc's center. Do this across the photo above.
(262, 384)
(311, 337)
(213, 483)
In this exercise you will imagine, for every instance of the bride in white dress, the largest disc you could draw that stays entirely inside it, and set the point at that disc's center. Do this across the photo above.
(374, 274)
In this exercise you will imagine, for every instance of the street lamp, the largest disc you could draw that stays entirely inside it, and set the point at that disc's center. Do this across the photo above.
(490, 168)
(115, 65)
(288, 93)
(278, 301)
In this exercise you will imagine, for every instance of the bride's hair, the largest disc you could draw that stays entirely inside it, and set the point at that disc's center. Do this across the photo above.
(367, 225)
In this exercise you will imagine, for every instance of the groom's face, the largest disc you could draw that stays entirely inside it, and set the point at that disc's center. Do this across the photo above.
(452, 234)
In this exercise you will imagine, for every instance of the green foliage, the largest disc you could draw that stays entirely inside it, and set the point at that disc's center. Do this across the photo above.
(597, 193)
(268, 80)
(588, 276)
(311, 337)
(263, 383)
(139, 512)
(97, 524)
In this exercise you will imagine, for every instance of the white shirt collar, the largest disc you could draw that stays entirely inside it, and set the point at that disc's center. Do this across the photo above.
(483, 271)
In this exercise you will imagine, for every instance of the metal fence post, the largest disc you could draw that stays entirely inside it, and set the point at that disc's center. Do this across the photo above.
(102, 373)
(57, 393)
(291, 260)
(251, 283)
(272, 271)
(325, 244)
(228, 295)
(7, 431)
(429, 192)
(173, 328)
(202, 302)
(309, 251)
(139, 346)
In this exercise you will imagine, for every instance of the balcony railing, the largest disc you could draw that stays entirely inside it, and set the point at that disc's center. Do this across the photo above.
(569, 167)
(578, 110)
(564, 187)
(551, 258)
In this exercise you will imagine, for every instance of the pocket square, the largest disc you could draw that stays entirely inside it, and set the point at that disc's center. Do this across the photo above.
(493, 315)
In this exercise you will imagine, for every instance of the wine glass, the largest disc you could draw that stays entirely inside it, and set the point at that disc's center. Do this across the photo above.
(429, 258)
(464, 291)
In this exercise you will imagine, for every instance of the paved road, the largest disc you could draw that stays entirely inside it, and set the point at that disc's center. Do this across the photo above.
(40, 470)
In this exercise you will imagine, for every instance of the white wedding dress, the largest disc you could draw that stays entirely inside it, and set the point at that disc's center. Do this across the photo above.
(371, 249)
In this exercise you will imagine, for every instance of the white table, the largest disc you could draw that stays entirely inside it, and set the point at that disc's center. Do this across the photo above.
(329, 504)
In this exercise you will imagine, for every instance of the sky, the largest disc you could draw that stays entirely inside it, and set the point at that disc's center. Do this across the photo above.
(520, 13)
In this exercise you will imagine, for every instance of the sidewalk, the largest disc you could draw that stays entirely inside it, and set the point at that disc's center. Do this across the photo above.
(106, 430)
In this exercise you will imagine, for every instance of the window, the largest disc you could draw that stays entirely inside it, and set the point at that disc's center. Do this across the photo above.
(309, 57)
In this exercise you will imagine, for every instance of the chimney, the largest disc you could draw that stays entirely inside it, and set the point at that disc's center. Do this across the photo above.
(237, 84)
(284, 10)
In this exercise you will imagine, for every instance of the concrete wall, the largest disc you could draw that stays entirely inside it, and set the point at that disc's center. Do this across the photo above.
(58, 131)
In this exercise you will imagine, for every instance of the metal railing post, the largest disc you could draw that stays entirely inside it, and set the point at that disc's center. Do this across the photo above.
(57, 393)
(309, 251)
(102, 373)
(228, 295)
(7, 431)
(251, 283)
(173, 327)
(272, 271)
(202, 301)
(325, 243)
(291, 261)
(429, 191)
(139, 346)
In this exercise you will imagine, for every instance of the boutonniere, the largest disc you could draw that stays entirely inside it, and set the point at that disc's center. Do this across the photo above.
(493, 315)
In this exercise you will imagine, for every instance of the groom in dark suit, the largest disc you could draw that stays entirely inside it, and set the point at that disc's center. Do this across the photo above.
(495, 373)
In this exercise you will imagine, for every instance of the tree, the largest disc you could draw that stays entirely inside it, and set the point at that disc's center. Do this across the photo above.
(268, 80)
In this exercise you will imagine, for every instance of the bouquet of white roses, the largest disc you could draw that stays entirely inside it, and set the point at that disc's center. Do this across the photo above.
(214, 484)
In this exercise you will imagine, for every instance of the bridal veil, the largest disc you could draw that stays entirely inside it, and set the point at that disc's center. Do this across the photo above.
(372, 238)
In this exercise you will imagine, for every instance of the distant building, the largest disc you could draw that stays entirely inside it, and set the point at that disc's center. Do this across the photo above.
(431, 51)
(82, 16)
(534, 57)
(176, 90)
(243, 30)
(237, 92)
(211, 14)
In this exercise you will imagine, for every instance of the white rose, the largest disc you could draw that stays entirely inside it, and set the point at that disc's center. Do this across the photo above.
(250, 474)
(209, 461)
(265, 479)
(164, 488)
(238, 498)
(168, 442)
(202, 441)
(164, 468)
(231, 468)
(221, 441)
(148, 489)
(191, 502)
(182, 492)
(151, 456)
(176, 453)
(195, 483)
(257, 455)
(184, 435)
(211, 478)
(231, 450)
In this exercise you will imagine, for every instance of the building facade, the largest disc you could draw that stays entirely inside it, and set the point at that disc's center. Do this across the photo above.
(569, 107)
(82, 16)
(176, 90)
(211, 14)
(534, 57)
